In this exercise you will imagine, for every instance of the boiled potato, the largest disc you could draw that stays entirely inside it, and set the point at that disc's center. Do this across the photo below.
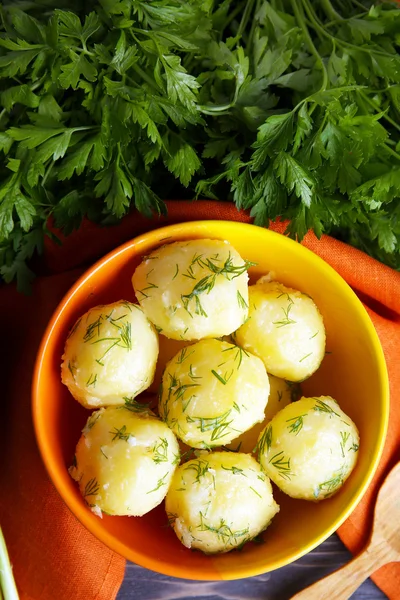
(309, 448)
(285, 329)
(281, 394)
(193, 290)
(211, 392)
(125, 460)
(219, 501)
(168, 349)
(110, 355)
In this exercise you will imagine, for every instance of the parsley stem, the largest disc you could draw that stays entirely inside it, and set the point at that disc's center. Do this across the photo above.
(317, 25)
(300, 19)
(391, 151)
(330, 12)
(145, 77)
(245, 18)
(377, 109)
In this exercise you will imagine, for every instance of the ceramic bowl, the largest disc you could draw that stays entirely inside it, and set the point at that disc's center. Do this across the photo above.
(353, 372)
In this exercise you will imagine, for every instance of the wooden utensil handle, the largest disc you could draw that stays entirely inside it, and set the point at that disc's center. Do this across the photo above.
(341, 584)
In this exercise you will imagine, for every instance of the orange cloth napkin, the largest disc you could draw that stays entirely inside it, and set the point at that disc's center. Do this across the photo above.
(54, 557)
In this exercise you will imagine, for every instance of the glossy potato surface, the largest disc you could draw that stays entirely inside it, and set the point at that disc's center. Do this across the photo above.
(110, 354)
(124, 460)
(285, 329)
(212, 392)
(281, 394)
(193, 290)
(309, 448)
(219, 501)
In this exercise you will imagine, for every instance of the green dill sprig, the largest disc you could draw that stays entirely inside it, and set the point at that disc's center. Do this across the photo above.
(224, 379)
(92, 488)
(330, 486)
(134, 406)
(234, 470)
(143, 291)
(296, 424)
(265, 441)
(204, 286)
(287, 320)
(120, 434)
(344, 436)
(219, 426)
(200, 467)
(321, 406)
(241, 301)
(184, 354)
(282, 465)
(160, 484)
(93, 329)
(160, 451)
(92, 380)
(74, 328)
(239, 353)
(223, 531)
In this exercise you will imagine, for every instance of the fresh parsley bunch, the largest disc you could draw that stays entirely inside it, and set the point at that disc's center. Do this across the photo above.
(289, 108)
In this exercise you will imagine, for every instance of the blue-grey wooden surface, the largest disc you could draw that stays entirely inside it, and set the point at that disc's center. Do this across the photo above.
(141, 584)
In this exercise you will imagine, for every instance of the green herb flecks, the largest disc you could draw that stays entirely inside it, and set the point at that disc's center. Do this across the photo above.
(344, 436)
(282, 465)
(286, 320)
(160, 483)
(239, 353)
(323, 407)
(224, 379)
(92, 380)
(296, 424)
(184, 354)
(120, 434)
(223, 531)
(93, 330)
(103, 453)
(201, 468)
(72, 368)
(255, 491)
(234, 470)
(306, 356)
(241, 301)
(74, 328)
(219, 426)
(135, 406)
(92, 420)
(329, 487)
(294, 390)
(265, 441)
(160, 451)
(144, 291)
(92, 488)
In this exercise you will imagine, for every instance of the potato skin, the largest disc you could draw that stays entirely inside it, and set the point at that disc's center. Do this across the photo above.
(125, 460)
(309, 448)
(219, 501)
(285, 329)
(281, 394)
(109, 355)
(193, 290)
(211, 392)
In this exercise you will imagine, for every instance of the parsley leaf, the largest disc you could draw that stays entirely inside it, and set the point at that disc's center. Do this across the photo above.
(288, 108)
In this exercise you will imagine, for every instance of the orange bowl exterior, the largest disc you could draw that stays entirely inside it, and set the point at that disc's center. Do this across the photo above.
(353, 372)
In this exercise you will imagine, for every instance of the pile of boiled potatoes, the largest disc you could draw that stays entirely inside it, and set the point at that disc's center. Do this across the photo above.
(230, 418)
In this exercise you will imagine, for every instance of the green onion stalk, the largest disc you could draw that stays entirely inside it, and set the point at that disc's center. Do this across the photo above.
(8, 589)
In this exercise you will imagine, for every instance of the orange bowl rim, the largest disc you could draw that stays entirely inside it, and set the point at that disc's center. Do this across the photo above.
(81, 512)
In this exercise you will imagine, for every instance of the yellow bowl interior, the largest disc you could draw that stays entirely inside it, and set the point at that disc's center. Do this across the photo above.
(353, 372)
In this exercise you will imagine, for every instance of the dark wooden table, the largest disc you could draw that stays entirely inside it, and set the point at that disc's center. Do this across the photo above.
(141, 584)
